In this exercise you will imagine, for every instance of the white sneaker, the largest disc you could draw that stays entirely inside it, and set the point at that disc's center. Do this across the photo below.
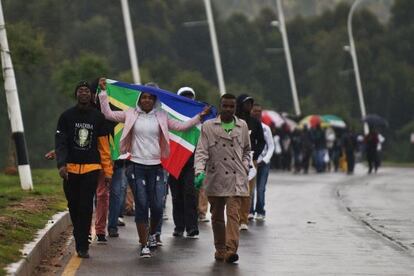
(250, 217)
(244, 226)
(260, 217)
(145, 252)
(203, 219)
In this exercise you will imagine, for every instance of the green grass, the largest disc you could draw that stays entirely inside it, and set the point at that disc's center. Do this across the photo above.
(22, 213)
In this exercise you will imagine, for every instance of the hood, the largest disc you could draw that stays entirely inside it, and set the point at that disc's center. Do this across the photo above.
(157, 105)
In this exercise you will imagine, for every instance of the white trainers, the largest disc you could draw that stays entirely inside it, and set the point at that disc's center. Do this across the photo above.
(244, 226)
(250, 217)
(203, 219)
(260, 217)
(145, 252)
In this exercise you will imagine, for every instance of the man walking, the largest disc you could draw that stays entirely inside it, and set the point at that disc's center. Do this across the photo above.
(263, 166)
(244, 107)
(82, 150)
(223, 156)
(184, 194)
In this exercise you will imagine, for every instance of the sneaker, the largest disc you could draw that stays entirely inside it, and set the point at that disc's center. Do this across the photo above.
(83, 254)
(90, 239)
(158, 238)
(260, 217)
(101, 238)
(250, 217)
(231, 258)
(177, 233)
(113, 233)
(244, 226)
(164, 216)
(152, 241)
(145, 252)
(203, 219)
(121, 222)
(193, 234)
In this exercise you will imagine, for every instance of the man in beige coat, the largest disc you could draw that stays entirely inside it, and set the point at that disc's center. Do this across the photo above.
(222, 154)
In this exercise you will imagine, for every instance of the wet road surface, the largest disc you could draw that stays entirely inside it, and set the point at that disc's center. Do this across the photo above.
(308, 231)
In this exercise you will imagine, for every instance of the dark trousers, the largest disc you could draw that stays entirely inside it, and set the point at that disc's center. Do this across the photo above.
(350, 160)
(184, 200)
(79, 191)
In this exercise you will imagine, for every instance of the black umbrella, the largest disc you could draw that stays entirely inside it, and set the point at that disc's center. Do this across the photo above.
(375, 120)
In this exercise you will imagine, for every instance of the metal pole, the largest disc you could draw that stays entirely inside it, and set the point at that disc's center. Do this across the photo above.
(13, 107)
(282, 28)
(130, 39)
(216, 53)
(355, 62)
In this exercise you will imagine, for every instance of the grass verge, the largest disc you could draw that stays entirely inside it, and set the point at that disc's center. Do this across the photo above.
(23, 213)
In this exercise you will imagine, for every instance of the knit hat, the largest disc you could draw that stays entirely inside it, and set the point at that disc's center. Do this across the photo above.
(82, 83)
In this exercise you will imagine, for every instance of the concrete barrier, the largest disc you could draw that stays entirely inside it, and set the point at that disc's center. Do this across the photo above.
(33, 252)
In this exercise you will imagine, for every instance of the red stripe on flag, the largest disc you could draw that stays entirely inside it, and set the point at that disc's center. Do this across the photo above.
(179, 155)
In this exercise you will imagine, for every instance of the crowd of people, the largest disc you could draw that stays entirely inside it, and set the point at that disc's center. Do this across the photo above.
(228, 170)
(326, 149)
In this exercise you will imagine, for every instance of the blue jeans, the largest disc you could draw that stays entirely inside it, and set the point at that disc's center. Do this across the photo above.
(261, 181)
(117, 195)
(148, 187)
(318, 158)
(164, 201)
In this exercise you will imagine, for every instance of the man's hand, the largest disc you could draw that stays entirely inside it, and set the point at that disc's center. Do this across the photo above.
(108, 181)
(102, 83)
(205, 111)
(51, 155)
(63, 172)
(198, 180)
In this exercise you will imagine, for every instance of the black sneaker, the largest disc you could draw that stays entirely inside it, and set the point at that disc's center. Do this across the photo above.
(83, 254)
(113, 233)
(193, 234)
(177, 233)
(101, 238)
(231, 258)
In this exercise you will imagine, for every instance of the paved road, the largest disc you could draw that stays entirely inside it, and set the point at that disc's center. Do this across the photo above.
(308, 231)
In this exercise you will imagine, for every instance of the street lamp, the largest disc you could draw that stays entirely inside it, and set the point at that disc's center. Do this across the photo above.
(214, 44)
(282, 28)
(351, 49)
(131, 43)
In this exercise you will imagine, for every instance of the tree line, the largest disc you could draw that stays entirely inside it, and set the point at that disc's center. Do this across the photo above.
(56, 43)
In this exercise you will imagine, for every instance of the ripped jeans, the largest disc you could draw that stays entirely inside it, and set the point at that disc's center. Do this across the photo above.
(147, 184)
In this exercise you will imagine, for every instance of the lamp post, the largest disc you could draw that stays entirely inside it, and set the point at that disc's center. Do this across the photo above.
(131, 43)
(352, 51)
(282, 28)
(214, 44)
(13, 107)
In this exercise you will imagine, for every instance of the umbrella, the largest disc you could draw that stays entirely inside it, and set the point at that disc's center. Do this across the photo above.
(333, 121)
(375, 120)
(310, 121)
(270, 117)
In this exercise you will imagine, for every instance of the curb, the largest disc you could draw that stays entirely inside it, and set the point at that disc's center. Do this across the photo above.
(33, 251)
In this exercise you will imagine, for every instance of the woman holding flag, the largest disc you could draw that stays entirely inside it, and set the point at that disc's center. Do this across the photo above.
(146, 137)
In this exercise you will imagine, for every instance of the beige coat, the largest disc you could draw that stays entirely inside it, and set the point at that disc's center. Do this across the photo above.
(224, 158)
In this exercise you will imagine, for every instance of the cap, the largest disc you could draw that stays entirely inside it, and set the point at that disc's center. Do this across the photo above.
(186, 89)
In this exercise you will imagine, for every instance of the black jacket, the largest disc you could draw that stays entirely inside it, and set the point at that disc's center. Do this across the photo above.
(257, 140)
